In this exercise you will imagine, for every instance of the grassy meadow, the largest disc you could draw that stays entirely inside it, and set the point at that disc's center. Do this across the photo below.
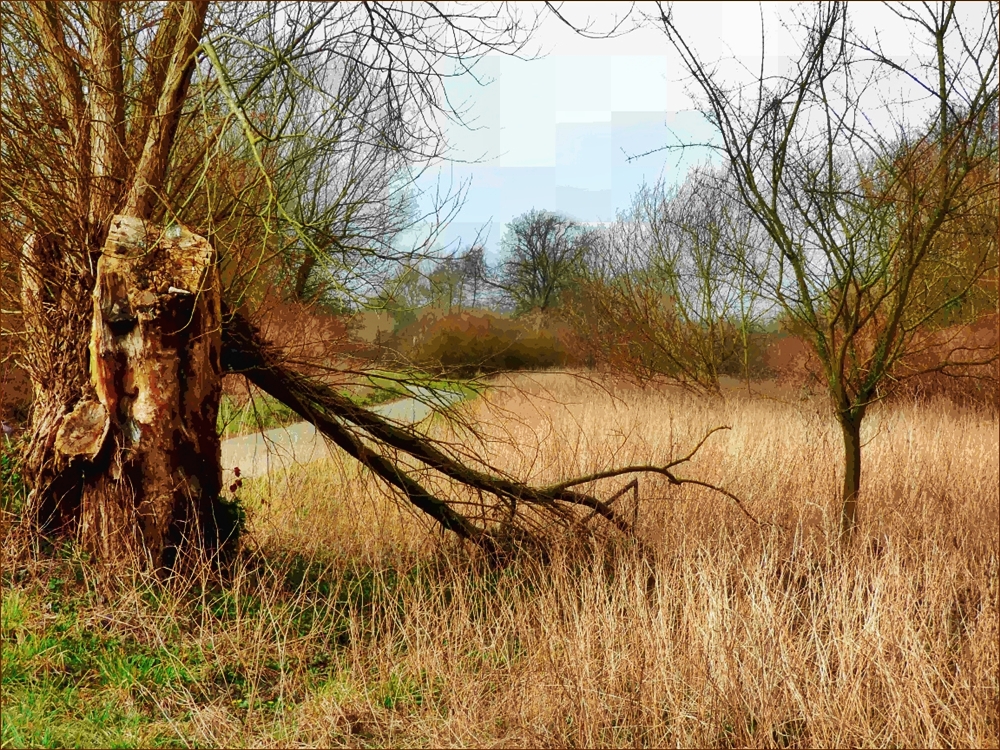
(347, 620)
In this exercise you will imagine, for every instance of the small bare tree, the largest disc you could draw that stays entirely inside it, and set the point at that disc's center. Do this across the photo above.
(474, 272)
(860, 211)
(675, 287)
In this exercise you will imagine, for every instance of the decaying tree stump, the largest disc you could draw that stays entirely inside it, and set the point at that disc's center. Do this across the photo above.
(149, 443)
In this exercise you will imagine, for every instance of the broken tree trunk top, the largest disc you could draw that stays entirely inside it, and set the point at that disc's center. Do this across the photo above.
(158, 260)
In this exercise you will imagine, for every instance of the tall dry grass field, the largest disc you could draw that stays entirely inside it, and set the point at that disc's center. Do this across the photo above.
(349, 621)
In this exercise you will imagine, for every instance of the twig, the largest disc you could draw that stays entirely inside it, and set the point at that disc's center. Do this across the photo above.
(635, 468)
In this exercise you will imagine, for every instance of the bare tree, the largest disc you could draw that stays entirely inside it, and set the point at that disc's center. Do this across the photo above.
(859, 211)
(475, 273)
(671, 293)
(542, 253)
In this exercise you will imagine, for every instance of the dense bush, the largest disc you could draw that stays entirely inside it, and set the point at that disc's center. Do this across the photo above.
(929, 373)
(645, 336)
(468, 343)
(933, 369)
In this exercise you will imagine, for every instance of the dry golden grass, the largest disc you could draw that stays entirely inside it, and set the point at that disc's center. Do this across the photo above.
(354, 623)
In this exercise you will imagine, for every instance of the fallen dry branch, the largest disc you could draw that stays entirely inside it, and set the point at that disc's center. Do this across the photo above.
(247, 353)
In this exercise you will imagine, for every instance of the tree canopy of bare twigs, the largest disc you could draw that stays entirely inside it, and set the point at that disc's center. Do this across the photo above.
(863, 199)
(675, 289)
(542, 252)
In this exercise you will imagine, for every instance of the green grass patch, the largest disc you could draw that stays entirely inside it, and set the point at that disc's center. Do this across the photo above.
(387, 385)
(260, 413)
(82, 670)
(68, 682)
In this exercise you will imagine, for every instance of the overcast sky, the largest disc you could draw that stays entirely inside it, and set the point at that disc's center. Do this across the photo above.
(555, 132)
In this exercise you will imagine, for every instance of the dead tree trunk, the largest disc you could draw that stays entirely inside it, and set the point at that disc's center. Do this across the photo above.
(146, 442)
(122, 446)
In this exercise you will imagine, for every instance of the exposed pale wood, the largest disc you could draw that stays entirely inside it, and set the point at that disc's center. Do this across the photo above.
(84, 430)
(155, 364)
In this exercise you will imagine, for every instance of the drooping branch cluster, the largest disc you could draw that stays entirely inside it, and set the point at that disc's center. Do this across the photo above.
(379, 444)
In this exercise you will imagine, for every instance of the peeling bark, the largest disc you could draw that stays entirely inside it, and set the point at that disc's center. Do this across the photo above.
(148, 445)
(55, 291)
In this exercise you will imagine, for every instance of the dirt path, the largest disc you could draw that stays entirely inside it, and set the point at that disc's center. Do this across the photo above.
(261, 452)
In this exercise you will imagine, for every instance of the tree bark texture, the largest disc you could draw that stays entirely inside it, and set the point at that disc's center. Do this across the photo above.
(850, 428)
(55, 301)
(142, 438)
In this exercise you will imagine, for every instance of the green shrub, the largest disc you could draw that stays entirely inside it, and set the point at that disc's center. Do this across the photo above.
(467, 343)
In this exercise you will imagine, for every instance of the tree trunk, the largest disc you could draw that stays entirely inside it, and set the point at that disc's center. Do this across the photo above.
(302, 277)
(850, 427)
(140, 444)
(55, 290)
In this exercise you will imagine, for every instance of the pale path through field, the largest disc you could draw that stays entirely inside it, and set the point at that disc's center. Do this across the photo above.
(261, 452)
